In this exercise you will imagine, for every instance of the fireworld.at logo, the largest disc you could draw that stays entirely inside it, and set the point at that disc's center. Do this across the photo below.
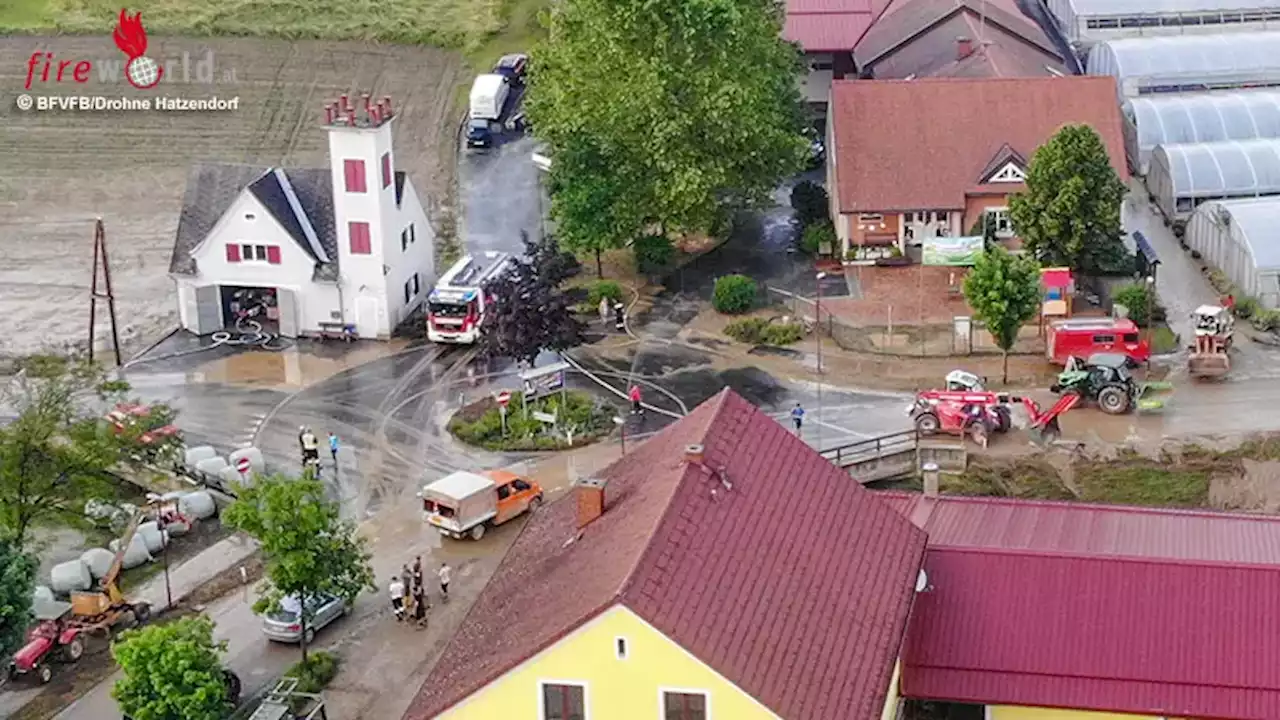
(140, 70)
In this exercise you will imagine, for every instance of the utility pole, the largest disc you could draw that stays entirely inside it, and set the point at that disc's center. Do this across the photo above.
(100, 260)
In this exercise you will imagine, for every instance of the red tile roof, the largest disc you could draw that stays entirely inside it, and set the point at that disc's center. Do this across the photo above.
(940, 133)
(820, 26)
(794, 583)
(1094, 607)
(919, 37)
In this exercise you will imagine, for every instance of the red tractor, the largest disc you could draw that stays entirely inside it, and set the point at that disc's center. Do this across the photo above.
(56, 637)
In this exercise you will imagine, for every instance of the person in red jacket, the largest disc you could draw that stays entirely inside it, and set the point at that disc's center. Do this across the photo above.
(634, 394)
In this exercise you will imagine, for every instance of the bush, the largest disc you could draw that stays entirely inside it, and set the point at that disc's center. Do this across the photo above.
(734, 294)
(604, 289)
(816, 235)
(315, 672)
(810, 202)
(653, 253)
(1135, 297)
(759, 331)
(1266, 320)
(480, 423)
(1246, 308)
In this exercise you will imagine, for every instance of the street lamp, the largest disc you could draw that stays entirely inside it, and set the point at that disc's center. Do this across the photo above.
(818, 326)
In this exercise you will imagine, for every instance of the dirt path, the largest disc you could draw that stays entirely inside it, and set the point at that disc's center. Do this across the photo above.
(61, 170)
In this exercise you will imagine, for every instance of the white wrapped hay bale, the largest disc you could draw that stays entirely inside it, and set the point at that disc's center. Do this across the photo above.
(196, 455)
(198, 505)
(98, 560)
(42, 594)
(153, 536)
(70, 576)
(136, 555)
(256, 463)
(177, 527)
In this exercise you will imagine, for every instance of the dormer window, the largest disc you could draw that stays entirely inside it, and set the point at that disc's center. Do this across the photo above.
(1010, 173)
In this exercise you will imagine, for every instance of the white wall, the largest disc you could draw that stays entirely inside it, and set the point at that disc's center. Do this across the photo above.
(815, 85)
(419, 257)
(248, 222)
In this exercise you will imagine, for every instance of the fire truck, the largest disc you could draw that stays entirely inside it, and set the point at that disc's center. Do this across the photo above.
(457, 306)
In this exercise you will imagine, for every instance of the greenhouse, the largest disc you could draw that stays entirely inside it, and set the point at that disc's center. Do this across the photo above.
(1086, 22)
(1183, 176)
(1188, 63)
(1197, 118)
(1241, 238)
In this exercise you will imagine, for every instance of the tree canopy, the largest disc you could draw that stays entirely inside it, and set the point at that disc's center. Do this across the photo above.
(309, 550)
(656, 117)
(1070, 214)
(172, 672)
(57, 451)
(17, 580)
(1004, 291)
(532, 313)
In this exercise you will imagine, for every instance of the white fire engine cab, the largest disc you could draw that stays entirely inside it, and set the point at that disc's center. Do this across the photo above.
(457, 306)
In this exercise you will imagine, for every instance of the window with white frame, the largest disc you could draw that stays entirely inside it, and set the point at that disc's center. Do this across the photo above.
(411, 289)
(253, 253)
(999, 221)
(684, 705)
(563, 701)
(408, 236)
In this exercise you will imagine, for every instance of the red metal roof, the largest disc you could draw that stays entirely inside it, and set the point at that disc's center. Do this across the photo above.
(1095, 607)
(883, 135)
(826, 32)
(794, 583)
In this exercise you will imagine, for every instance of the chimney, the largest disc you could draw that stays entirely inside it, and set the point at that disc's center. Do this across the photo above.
(693, 454)
(930, 472)
(351, 117)
(328, 114)
(964, 47)
(343, 105)
(386, 102)
(590, 492)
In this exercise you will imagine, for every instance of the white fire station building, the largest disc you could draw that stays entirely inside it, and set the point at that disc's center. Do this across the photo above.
(307, 251)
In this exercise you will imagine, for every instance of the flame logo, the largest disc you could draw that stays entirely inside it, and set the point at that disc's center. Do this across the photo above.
(142, 72)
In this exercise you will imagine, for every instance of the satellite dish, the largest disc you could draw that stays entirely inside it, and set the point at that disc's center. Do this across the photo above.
(922, 581)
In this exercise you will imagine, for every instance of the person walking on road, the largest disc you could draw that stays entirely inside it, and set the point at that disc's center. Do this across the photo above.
(619, 317)
(419, 603)
(633, 394)
(446, 575)
(333, 447)
(396, 590)
(797, 417)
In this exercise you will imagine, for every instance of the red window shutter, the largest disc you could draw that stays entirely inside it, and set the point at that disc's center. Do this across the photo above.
(360, 243)
(233, 253)
(273, 254)
(386, 169)
(354, 171)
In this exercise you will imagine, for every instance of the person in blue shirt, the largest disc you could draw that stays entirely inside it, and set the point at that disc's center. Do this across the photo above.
(333, 447)
(797, 417)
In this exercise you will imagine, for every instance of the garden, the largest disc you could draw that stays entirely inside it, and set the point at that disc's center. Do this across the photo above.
(559, 421)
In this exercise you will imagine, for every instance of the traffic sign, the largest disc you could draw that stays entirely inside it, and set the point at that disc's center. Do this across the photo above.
(503, 397)
(243, 465)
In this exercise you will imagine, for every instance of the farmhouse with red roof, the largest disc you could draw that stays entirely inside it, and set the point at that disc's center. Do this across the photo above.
(723, 570)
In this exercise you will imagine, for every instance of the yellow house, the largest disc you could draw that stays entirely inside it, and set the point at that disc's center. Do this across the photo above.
(723, 570)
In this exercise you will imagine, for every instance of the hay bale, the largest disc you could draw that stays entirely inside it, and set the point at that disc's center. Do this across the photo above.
(98, 560)
(70, 576)
(154, 537)
(198, 505)
(42, 594)
(196, 455)
(136, 555)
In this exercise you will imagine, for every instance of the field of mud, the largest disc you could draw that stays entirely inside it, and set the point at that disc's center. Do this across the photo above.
(60, 170)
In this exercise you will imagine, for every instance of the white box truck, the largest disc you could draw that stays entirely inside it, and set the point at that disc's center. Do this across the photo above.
(488, 96)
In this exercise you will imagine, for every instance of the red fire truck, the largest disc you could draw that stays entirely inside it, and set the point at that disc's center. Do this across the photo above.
(1084, 336)
(457, 306)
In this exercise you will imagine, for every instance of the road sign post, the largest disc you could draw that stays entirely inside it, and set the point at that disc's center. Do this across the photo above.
(243, 465)
(503, 398)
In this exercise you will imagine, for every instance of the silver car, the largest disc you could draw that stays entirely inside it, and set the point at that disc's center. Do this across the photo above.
(285, 625)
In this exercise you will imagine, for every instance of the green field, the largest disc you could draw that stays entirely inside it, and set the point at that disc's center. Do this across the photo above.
(478, 27)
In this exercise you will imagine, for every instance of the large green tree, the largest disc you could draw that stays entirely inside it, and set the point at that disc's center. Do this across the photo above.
(1070, 214)
(17, 580)
(56, 453)
(172, 672)
(1004, 291)
(309, 550)
(659, 115)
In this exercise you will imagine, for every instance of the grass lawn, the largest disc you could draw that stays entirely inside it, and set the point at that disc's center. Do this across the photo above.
(484, 29)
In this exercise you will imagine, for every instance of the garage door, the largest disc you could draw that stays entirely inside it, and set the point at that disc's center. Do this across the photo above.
(207, 317)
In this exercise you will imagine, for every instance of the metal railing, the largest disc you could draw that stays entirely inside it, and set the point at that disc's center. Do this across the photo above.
(873, 448)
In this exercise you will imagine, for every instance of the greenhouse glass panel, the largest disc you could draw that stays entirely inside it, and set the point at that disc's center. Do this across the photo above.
(1186, 62)
(1200, 118)
(1120, 8)
(1225, 169)
(1255, 221)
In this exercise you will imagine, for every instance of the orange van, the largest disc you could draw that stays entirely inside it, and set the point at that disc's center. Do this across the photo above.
(466, 504)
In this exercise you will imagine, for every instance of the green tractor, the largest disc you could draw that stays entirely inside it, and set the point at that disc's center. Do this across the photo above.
(1105, 380)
